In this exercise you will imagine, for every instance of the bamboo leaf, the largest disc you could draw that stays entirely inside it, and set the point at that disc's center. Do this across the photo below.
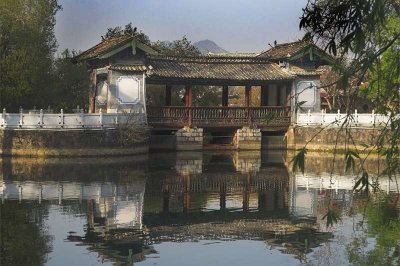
(349, 158)
(331, 217)
(298, 161)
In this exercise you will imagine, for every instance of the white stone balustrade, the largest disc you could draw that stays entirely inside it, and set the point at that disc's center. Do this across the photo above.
(338, 119)
(69, 120)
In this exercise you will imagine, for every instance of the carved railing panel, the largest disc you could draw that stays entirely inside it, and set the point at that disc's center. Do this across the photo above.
(219, 116)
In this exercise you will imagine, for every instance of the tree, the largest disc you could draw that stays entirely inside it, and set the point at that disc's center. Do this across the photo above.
(182, 47)
(24, 239)
(385, 73)
(27, 46)
(358, 32)
(127, 30)
(70, 83)
(363, 35)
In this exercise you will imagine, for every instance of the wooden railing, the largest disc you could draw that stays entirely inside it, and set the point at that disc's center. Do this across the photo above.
(270, 116)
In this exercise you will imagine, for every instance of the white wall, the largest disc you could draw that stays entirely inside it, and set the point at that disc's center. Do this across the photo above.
(307, 89)
(126, 91)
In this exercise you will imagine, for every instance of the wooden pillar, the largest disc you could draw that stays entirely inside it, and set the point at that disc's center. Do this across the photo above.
(189, 101)
(186, 195)
(166, 201)
(247, 95)
(225, 96)
(261, 201)
(278, 94)
(168, 91)
(188, 96)
(246, 193)
(90, 213)
(92, 91)
(288, 93)
(264, 95)
(222, 196)
(248, 102)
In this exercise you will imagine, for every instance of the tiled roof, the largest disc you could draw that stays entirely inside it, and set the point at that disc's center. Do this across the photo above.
(107, 45)
(232, 54)
(217, 68)
(285, 50)
(104, 46)
(128, 67)
(302, 71)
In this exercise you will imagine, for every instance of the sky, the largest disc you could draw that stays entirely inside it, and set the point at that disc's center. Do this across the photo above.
(235, 25)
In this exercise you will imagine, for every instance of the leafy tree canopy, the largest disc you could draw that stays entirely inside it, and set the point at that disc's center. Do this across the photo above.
(127, 30)
(27, 46)
(182, 47)
(361, 34)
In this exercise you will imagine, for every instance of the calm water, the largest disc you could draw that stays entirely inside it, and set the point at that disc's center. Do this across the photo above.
(193, 209)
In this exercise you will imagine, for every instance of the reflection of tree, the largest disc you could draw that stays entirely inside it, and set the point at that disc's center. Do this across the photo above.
(24, 238)
(384, 225)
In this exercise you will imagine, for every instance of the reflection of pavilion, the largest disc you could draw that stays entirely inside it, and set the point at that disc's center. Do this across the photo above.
(118, 204)
(310, 190)
(216, 200)
(221, 201)
(110, 207)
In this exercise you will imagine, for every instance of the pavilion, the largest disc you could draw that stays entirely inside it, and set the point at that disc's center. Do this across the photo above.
(286, 73)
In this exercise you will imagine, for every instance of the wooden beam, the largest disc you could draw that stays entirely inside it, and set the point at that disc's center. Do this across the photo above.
(189, 101)
(168, 96)
(117, 50)
(247, 96)
(225, 94)
(145, 48)
(92, 91)
(208, 82)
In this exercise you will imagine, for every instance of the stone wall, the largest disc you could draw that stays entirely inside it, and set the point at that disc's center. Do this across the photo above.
(329, 139)
(319, 163)
(189, 163)
(189, 139)
(247, 161)
(163, 142)
(72, 143)
(117, 169)
(248, 139)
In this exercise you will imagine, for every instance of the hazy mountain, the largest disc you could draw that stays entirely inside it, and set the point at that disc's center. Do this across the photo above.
(206, 46)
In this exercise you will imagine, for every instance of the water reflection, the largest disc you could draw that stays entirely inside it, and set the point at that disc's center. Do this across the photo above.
(131, 210)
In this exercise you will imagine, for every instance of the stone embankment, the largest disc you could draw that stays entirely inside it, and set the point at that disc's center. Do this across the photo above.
(330, 139)
(74, 142)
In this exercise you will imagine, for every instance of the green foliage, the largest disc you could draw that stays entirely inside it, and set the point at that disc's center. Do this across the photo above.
(299, 160)
(182, 47)
(128, 29)
(362, 183)
(27, 45)
(385, 73)
(24, 239)
(332, 217)
(383, 224)
(70, 83)
(298, 106)
(349, 159)
(347, 26)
